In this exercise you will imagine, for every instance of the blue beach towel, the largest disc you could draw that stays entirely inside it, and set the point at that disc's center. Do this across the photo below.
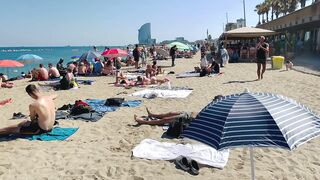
(99, 105)
(57, 133)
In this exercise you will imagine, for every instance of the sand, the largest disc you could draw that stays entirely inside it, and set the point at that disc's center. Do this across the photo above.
(102, 150)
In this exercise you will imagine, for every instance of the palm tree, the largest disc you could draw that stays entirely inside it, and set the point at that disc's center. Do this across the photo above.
(292, 5)
(302, 3)
(276, 5)
(258, 10)
(267, 6)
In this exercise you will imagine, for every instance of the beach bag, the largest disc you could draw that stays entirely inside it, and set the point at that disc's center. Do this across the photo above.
(176, 128)
(203, 72)
(114, 101)
(81, 109)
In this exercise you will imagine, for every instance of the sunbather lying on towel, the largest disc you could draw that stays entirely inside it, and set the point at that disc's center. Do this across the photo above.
(4, 102)
(143, 81)
(42, 115)
(161, 119)
(5, 84)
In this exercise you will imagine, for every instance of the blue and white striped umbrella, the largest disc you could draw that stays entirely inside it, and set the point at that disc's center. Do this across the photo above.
(254, 119)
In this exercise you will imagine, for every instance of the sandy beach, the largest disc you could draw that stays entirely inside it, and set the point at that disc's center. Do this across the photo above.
(102, 150)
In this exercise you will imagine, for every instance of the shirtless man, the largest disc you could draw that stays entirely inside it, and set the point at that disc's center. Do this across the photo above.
(43, 73)
(42, 115)
(53, 71)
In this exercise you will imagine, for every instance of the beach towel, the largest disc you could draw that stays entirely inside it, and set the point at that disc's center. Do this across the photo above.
(57, 133)
(99, 109)
(203, 154)
(99, 105)
(188, 74)
(167, 93)
(193, 74)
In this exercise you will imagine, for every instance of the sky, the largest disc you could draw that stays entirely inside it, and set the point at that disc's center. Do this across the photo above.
(106, 22)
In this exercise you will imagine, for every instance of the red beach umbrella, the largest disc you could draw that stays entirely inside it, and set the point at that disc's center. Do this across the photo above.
(111, 53)
(10, 63)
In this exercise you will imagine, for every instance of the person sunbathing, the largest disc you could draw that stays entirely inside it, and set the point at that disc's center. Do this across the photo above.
(161, 119)
(6, 101)
(6, 84)
(150, 81)
(42, 115)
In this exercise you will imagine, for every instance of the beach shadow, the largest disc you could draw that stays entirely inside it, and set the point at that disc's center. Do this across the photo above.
(240, 82)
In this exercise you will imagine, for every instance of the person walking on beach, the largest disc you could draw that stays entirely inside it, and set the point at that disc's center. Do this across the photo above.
(262, 50)
(173, 50)
(143, 55)
(42, 115)
(136, 56)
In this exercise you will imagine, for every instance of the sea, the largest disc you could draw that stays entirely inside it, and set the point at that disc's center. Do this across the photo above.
(49, 55)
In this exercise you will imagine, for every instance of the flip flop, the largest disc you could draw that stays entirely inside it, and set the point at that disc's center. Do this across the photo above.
(194, 167)
(182, 163)
(18, 115)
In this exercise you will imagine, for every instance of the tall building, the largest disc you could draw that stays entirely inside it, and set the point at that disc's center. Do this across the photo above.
(144, 35)
(230, 26)
(240, 23)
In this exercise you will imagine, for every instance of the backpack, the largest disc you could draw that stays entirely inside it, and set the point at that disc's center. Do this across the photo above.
(176, 128)
(80, 109)
(203, 72)
(114, 101)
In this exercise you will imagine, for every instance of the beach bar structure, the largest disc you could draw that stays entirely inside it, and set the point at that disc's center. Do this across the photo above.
(301, 26)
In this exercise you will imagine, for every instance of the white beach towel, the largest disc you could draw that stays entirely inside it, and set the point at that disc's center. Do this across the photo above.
(203, 154)
(152, 93)
(187, 74)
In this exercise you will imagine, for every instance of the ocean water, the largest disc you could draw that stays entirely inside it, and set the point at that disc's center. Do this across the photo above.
(49, 55)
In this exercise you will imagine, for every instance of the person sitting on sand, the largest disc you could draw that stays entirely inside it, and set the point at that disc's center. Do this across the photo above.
(130, 61)
(53, 72)
(150, 72)
(156, 68)
(43, 73)
(34, 74)
(214, 68)
(82, 69)
(3, 77)
(108, 69)
(42, 115)
(161, 119)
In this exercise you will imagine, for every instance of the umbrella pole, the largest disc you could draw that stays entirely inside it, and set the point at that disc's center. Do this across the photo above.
(252, 163)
